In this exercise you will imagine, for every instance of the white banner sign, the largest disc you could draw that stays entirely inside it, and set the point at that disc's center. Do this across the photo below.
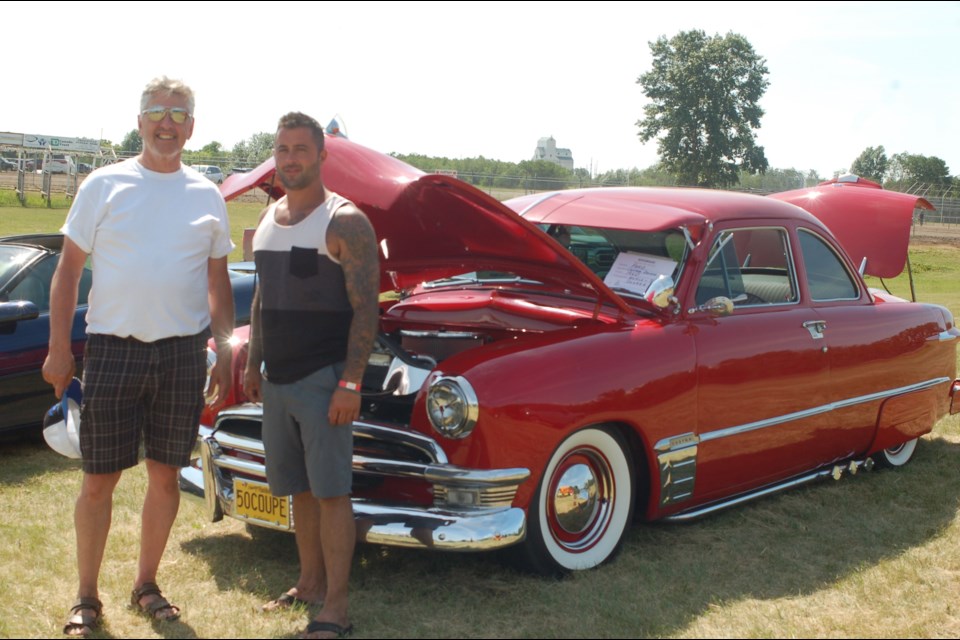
(83, 145)
(15, 139)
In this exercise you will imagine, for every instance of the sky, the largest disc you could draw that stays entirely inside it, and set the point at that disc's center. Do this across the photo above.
(468, 79)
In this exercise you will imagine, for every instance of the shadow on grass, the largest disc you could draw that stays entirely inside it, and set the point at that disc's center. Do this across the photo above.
(666, 576)
(795, 544)
(25, 454)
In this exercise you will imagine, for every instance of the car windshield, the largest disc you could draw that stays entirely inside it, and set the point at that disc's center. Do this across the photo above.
(627, 261)
(12, 259)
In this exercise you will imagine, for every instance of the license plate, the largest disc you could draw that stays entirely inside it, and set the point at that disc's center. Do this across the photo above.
(253, 501)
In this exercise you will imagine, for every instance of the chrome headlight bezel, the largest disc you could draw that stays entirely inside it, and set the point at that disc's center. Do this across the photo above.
(452, 407)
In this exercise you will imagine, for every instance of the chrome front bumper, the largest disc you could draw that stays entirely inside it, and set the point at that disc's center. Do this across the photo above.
(471, 512)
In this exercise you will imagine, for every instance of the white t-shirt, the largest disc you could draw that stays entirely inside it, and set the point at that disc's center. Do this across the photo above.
(150, 236)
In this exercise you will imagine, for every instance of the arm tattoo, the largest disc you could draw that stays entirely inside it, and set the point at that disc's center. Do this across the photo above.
(361, 269)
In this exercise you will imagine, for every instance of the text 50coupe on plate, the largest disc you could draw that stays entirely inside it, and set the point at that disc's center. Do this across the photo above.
(551, 368)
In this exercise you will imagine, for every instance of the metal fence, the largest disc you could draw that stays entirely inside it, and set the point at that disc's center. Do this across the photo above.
(945, 199)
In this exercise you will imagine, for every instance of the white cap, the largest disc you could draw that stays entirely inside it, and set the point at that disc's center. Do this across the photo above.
(61, 424)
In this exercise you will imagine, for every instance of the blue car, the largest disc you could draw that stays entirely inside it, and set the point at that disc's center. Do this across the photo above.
(27, 263)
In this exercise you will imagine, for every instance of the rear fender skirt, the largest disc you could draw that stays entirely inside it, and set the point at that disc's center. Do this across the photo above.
(906, 417)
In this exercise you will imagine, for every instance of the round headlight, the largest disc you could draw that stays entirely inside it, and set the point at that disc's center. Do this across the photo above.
(452, 407)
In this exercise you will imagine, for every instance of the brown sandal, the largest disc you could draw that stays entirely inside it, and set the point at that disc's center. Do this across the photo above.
(83, 624)
(153, 609)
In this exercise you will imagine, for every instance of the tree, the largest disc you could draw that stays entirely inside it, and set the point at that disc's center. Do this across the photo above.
(774, 180)
(914, 168)
(544, 175)
(212, 149)
(240, 152)
(871, 164)
(260, 146)
(132, 142)
(704, 94)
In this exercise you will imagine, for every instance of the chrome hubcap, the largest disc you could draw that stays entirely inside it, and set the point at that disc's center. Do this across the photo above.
(575, 499)
(580, 500)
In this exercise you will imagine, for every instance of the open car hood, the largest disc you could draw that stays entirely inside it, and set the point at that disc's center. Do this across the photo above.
(432, 226)
(867, 220)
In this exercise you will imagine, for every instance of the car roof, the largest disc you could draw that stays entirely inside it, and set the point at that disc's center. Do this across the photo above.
(431, 226)
(648, 208)
(51, 241)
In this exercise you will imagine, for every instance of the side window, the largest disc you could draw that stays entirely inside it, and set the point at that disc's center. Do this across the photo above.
(752, 267)
(36, 286)
(827, 277)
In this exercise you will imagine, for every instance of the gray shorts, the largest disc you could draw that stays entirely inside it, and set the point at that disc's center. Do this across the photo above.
(305, 453)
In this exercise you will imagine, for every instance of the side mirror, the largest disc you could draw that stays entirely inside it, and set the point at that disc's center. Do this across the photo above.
(719, 306)
(17, 310)
(660, 292)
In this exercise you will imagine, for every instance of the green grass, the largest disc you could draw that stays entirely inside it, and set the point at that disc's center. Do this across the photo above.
(935, 271)
(870, 556)
(8, 198)
(15, 220)
(874, 555)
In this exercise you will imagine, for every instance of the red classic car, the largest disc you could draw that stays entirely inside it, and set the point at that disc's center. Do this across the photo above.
(551, 368)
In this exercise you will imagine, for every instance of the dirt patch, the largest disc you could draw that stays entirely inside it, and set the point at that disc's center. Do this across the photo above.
(33, 181)
(935, 233)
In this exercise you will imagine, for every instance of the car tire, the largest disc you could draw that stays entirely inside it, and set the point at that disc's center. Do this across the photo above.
(585, 526)
(895, 457)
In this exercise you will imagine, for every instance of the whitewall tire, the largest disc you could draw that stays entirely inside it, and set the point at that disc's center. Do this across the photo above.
(583, 505)
(896, 456)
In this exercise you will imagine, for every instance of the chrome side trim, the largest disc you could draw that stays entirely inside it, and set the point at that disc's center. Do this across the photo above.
(443, 335)
(677, 459)
(807, 413)
(835, 471)
(796, 482)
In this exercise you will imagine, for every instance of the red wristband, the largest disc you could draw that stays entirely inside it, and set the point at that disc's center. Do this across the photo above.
(351, 386)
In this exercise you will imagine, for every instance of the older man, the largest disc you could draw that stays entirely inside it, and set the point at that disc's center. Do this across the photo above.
(158, 237)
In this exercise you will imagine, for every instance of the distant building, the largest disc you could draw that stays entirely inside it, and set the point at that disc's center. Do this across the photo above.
(547, 150)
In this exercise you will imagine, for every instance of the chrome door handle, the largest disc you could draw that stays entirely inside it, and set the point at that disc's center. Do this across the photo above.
(816, 328)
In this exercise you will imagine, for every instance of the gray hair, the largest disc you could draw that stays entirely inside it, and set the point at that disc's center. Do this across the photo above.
(166, 86)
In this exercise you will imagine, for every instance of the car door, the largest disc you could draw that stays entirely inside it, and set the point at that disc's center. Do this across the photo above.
(763, 373)
(24, 395)
(877, 351)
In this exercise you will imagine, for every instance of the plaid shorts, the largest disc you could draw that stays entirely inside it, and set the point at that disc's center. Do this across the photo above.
(131, 387)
